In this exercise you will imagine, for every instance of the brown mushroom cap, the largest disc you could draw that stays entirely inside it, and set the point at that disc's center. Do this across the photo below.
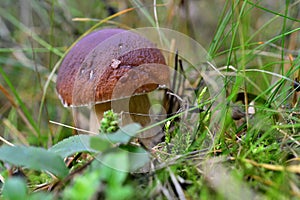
(100, 60)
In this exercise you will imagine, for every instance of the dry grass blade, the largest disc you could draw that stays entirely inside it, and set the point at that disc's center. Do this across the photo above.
(1, 178)
(219, 178)
(295, 189)
(291, 168)
(122, 12)
(72, 127)
(289, 137)
(8, 96)
(15, 131)
(6, 142)
(20, 112)
(178, 188)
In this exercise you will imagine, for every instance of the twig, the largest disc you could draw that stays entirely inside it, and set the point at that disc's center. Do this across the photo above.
(6, 142)
(291, 168)
(16, 132)
(177, 186)
(72, 127)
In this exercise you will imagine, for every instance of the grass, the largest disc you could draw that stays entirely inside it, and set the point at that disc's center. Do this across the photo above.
(254, 46)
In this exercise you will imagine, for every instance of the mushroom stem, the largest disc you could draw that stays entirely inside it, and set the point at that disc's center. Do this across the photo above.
(97, 115)
(139, 107)
(137, 111)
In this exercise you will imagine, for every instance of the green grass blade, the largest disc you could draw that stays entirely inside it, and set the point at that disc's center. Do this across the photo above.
(30, 33)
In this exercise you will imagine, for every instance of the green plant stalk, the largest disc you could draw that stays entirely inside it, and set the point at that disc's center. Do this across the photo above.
(283, 37)
(243, 59)
(51, 39)
(144, 11)
(25, 49)
(224, 19)
(234, 30)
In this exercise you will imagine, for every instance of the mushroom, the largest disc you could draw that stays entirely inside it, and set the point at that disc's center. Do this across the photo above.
(112, 69)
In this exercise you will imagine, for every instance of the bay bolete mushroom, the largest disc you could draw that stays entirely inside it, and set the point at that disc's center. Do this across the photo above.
(112, 69)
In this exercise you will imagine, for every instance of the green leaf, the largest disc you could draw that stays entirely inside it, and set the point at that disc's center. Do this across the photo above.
(103, 142)
(84, 186)
(137, 156)
(124, 134)
(40, 195)
(82, 143)
(115, 165)
(14, 189)
(34, 158)
(114, 160)
(100, 144)
(72, 145)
